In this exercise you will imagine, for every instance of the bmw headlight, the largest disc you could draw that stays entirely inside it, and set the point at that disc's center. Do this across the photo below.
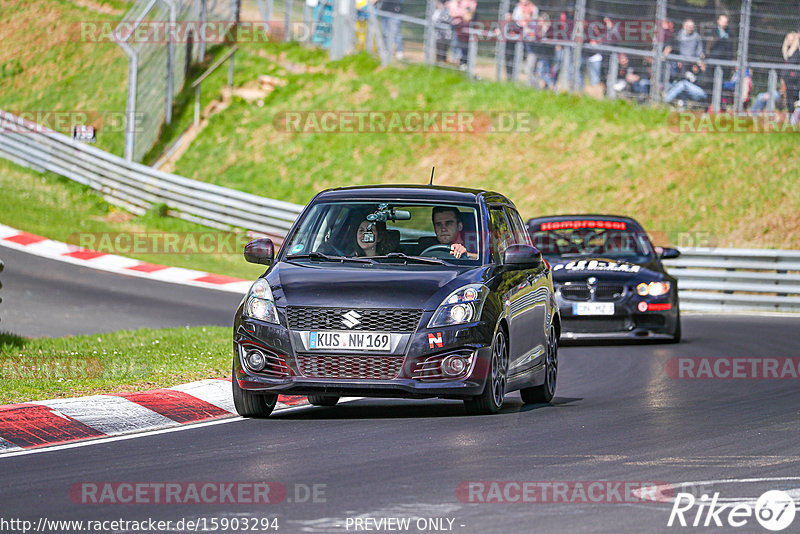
(654, 289)
(259, 303)
(462, 306)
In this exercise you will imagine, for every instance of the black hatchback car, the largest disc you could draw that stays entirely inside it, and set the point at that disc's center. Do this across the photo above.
(609, 279)
(398, 291)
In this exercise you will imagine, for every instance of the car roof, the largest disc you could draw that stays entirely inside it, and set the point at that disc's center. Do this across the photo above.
(411, 192)
(585, 217)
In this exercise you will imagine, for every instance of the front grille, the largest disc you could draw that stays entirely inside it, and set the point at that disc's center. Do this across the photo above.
(609, 291)
(362, 366)
(594, 326)
(373, 320)
(575, 292)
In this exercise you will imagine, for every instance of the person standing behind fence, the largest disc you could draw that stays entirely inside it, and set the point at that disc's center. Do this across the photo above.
(523, 15)
(787, 94)
(720, 46)
(511, 34)
(688, 43)
(457, 10)
(442, 30)
(391, 25)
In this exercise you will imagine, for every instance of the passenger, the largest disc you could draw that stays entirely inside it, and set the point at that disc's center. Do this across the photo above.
(449, 231)
(371, 247)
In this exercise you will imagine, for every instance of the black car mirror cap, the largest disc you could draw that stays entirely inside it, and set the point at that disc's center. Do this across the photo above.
(669, 253)
(260, 251)
(522, 257)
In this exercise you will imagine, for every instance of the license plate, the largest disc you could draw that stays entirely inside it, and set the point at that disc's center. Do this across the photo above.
(593, 308)
(365, 341)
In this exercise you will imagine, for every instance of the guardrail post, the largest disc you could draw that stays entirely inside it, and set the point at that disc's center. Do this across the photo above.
(658, 53)
(577, 39)
(613, 71)
(429, 40)
(741, 57)
(716, 95)
(772, 86)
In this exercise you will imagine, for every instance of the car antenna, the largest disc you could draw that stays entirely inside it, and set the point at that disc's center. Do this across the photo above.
(432, 169)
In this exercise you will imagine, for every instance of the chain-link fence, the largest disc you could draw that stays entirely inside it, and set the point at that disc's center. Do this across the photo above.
(162, 38)
(687, 53)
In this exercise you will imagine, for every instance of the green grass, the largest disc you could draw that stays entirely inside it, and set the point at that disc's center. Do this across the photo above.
(130, 360)
(57, 208)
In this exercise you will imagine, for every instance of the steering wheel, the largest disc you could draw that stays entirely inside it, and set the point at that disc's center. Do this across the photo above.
(437, 251)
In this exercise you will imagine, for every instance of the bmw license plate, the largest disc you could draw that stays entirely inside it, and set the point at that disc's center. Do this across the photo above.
(593, 308)
(366, 341)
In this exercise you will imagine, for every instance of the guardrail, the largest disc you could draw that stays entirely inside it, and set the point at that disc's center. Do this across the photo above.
(729, 279)
(138, 187)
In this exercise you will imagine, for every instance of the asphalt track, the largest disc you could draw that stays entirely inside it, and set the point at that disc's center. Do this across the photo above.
(617, 416)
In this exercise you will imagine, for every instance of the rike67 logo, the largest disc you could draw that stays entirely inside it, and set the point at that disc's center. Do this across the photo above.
(774, 510)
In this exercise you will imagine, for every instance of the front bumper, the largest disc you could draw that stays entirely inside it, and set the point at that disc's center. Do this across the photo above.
(471, 340)
(631, 319)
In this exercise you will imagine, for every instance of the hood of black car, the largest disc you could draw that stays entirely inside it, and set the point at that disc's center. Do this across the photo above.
(603, 269)
(364, 286)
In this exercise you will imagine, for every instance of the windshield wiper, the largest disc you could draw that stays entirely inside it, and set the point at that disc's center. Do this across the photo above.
(319, 256)
(418, 259)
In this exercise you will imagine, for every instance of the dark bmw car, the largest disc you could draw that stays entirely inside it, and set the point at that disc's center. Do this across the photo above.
(398, 291)
(608, 277)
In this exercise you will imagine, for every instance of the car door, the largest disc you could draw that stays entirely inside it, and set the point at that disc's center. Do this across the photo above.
(513, 288)
(534, 306)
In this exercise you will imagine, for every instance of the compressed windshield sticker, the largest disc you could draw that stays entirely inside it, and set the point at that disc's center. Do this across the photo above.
(297, 248)
(598, 265)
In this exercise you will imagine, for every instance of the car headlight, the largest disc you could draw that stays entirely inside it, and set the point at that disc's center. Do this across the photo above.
(462, 306)
(259, 303)
(654, 289)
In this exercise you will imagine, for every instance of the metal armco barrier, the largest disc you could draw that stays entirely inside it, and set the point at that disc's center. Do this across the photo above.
(730, 279)
(710, 279)
(138, 187)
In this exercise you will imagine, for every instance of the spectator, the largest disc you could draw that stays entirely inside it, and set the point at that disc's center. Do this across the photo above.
(789, 90)
(594, 61)
(688, 43)
(693, 86)
(391, 25)
(443, 31)
(511, 34)
(721, 46)
(630, 80)
(544, 53)
(457, 10)
(461, 37)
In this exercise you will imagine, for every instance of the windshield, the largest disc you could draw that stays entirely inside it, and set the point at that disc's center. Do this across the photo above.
(388, 232)
(627, 245)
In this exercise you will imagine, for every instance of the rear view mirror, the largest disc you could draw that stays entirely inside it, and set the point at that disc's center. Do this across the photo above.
(522, 257)
(669, 253)
(260, 251)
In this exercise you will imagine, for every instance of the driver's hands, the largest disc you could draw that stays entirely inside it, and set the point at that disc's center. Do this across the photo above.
(458, 250)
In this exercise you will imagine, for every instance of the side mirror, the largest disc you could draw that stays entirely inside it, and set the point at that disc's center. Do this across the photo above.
(522, 257)
(669, 253)
(260, 251)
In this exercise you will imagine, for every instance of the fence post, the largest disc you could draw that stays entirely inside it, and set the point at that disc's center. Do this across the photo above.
(287, 20)
(377, 34)
(716, 95)
(613, 70)
(563, 82)
(772, 86)
(307, 21)
(173, 19)
(658, 52)
(130, 106)
(577, 40)
(741, 57)
(472, 53)
(519, 54)
(201, 49)
(500, 46)
(430, 34)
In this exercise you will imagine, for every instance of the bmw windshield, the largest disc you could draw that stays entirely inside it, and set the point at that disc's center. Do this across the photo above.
(618, 244)
(387, 232)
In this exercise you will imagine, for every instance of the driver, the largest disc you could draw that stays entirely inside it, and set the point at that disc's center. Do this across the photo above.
(448, 227)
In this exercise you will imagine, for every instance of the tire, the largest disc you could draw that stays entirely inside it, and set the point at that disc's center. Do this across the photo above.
(323, 400)
(251, 404)
(491, 400)
(676, 335)
(545, 392)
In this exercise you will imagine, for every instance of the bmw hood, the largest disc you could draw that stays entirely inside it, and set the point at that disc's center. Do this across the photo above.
(364, 286)
(606, 269)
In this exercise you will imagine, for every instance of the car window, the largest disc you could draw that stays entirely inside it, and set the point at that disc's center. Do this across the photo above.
(518, 227)
(499, 233)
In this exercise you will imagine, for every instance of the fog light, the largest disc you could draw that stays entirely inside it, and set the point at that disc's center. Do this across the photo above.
(256, 360)
(453, 365)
